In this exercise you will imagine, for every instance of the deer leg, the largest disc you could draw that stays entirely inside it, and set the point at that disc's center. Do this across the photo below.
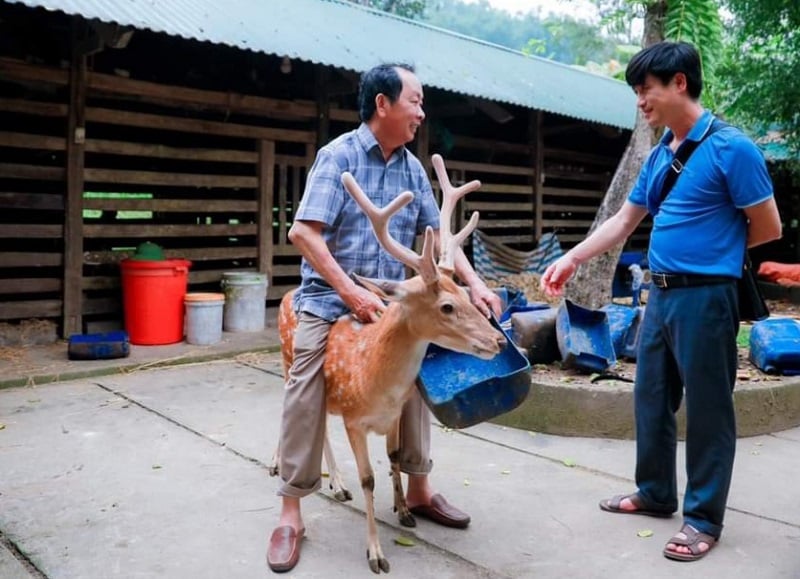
(273, 469)
(358, 442)
(393, 450)
(340, 493)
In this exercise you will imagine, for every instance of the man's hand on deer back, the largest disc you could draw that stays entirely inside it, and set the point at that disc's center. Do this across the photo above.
(364, 305)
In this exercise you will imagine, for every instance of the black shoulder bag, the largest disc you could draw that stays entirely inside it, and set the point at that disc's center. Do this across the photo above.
(751, 302)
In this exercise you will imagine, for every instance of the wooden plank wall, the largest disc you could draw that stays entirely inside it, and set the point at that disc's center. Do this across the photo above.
(217, 175)
(516, 206)
(213, 177)
(33, 122)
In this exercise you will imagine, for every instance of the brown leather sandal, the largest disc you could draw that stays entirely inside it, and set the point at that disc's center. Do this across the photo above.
(692, 541)
(612, 505)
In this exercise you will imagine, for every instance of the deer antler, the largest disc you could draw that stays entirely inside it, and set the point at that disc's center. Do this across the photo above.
(449, 243)
(423, 264)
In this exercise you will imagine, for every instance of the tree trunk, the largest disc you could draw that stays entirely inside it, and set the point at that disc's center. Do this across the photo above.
(591, 286)
(592, 283)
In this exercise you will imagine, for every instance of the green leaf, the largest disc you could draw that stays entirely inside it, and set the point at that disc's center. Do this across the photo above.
(404, 541)
(568, 462)
(644, 533)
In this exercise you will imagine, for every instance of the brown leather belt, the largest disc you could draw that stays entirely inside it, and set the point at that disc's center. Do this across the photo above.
(670, 280)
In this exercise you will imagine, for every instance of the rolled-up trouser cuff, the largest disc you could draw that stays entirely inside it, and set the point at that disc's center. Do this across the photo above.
(288, 490)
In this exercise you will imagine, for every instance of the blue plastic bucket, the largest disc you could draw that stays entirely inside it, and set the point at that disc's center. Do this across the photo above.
(245, 301)
(204, 318)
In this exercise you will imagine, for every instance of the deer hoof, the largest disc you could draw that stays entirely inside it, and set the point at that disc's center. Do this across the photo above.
(407, 519)
(343, 495)
(378, 564)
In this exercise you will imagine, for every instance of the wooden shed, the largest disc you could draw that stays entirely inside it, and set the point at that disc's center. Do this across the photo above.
(118, 127)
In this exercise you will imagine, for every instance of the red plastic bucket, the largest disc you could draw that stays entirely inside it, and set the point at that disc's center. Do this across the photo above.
(152, 296)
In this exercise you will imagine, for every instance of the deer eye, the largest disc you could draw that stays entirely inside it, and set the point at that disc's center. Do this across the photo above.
(447, 308)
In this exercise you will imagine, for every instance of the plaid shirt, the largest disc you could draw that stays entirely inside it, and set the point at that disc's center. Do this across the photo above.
(348, 232)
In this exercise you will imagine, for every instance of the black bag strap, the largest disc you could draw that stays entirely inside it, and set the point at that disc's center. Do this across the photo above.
(682, 156)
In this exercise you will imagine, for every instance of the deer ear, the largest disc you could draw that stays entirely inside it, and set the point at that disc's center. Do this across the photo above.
(387, 290)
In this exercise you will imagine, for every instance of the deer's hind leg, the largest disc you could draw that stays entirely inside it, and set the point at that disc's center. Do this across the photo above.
(340, 492)
(393, 451)
(358, 442)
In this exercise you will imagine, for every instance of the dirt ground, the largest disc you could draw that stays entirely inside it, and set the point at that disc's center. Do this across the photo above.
(747, 371)
(554, 374)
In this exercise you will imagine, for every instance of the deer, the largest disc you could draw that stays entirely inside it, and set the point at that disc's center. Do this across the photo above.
(370, 369)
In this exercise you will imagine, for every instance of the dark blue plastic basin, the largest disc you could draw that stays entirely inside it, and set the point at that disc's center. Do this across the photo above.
(462, 390)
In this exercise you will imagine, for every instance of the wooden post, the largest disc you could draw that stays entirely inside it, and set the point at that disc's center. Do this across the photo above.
(537, 165)
(323, 106)
(266, 182)
(72, 322)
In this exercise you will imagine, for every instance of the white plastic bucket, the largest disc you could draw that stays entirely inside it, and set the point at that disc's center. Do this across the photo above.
(245, 301)
(204, 318)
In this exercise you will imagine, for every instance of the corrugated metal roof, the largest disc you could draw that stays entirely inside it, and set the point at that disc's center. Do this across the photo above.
(344, 35)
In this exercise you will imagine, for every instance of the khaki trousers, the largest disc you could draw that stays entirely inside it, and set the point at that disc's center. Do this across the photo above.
(303, 418)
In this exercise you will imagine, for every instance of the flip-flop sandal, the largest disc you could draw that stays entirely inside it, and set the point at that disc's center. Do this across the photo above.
(612, 506)
(692, 541)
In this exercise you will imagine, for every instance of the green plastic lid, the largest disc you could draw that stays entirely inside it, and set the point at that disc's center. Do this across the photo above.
(149, 251)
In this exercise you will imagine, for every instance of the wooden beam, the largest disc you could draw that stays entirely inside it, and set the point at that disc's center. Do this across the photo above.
(31, 230)
(72, 320)
(567, 192)
(30, 309)
(36, 201)
(158, 151)
(36, 108)
(492, 145)
(192, 254)
(488, 168)
(172, 205)
(31, 141)
(38, 172)
(33, 285)
(29, 259)
(536, 137)
(13, 69)
(322, 80)
(139, 230)
(170, 95)
(118, 176)
(167, 123)
(266, 185)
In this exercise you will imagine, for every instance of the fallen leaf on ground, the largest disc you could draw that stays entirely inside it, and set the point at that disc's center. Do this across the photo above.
(568, 462)
(644, 533)
(404, 541)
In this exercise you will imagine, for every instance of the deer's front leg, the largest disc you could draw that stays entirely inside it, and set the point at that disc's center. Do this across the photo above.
(340, 493)
(273, 469)
(358, 442)
(393, 451)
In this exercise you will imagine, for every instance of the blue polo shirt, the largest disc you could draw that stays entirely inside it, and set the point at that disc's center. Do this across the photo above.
(348, 232)
(700, 228)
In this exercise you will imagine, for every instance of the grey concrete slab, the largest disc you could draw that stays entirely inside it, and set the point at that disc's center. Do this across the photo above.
(95, 486)
(83, 498)
(11, 567)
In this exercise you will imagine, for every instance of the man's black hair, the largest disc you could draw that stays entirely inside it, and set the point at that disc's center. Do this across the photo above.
(382, 79)
(665, 59)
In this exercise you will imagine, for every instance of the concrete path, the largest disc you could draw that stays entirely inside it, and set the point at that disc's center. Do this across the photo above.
(162, 473)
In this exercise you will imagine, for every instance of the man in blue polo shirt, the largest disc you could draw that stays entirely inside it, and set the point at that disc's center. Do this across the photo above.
(722, 204)
(336, 239)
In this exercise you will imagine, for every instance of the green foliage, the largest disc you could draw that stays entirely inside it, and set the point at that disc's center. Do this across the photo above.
(760, 74)
(406, 8)
(559, 38)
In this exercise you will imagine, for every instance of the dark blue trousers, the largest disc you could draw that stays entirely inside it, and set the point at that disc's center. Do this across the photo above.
(687, 345)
